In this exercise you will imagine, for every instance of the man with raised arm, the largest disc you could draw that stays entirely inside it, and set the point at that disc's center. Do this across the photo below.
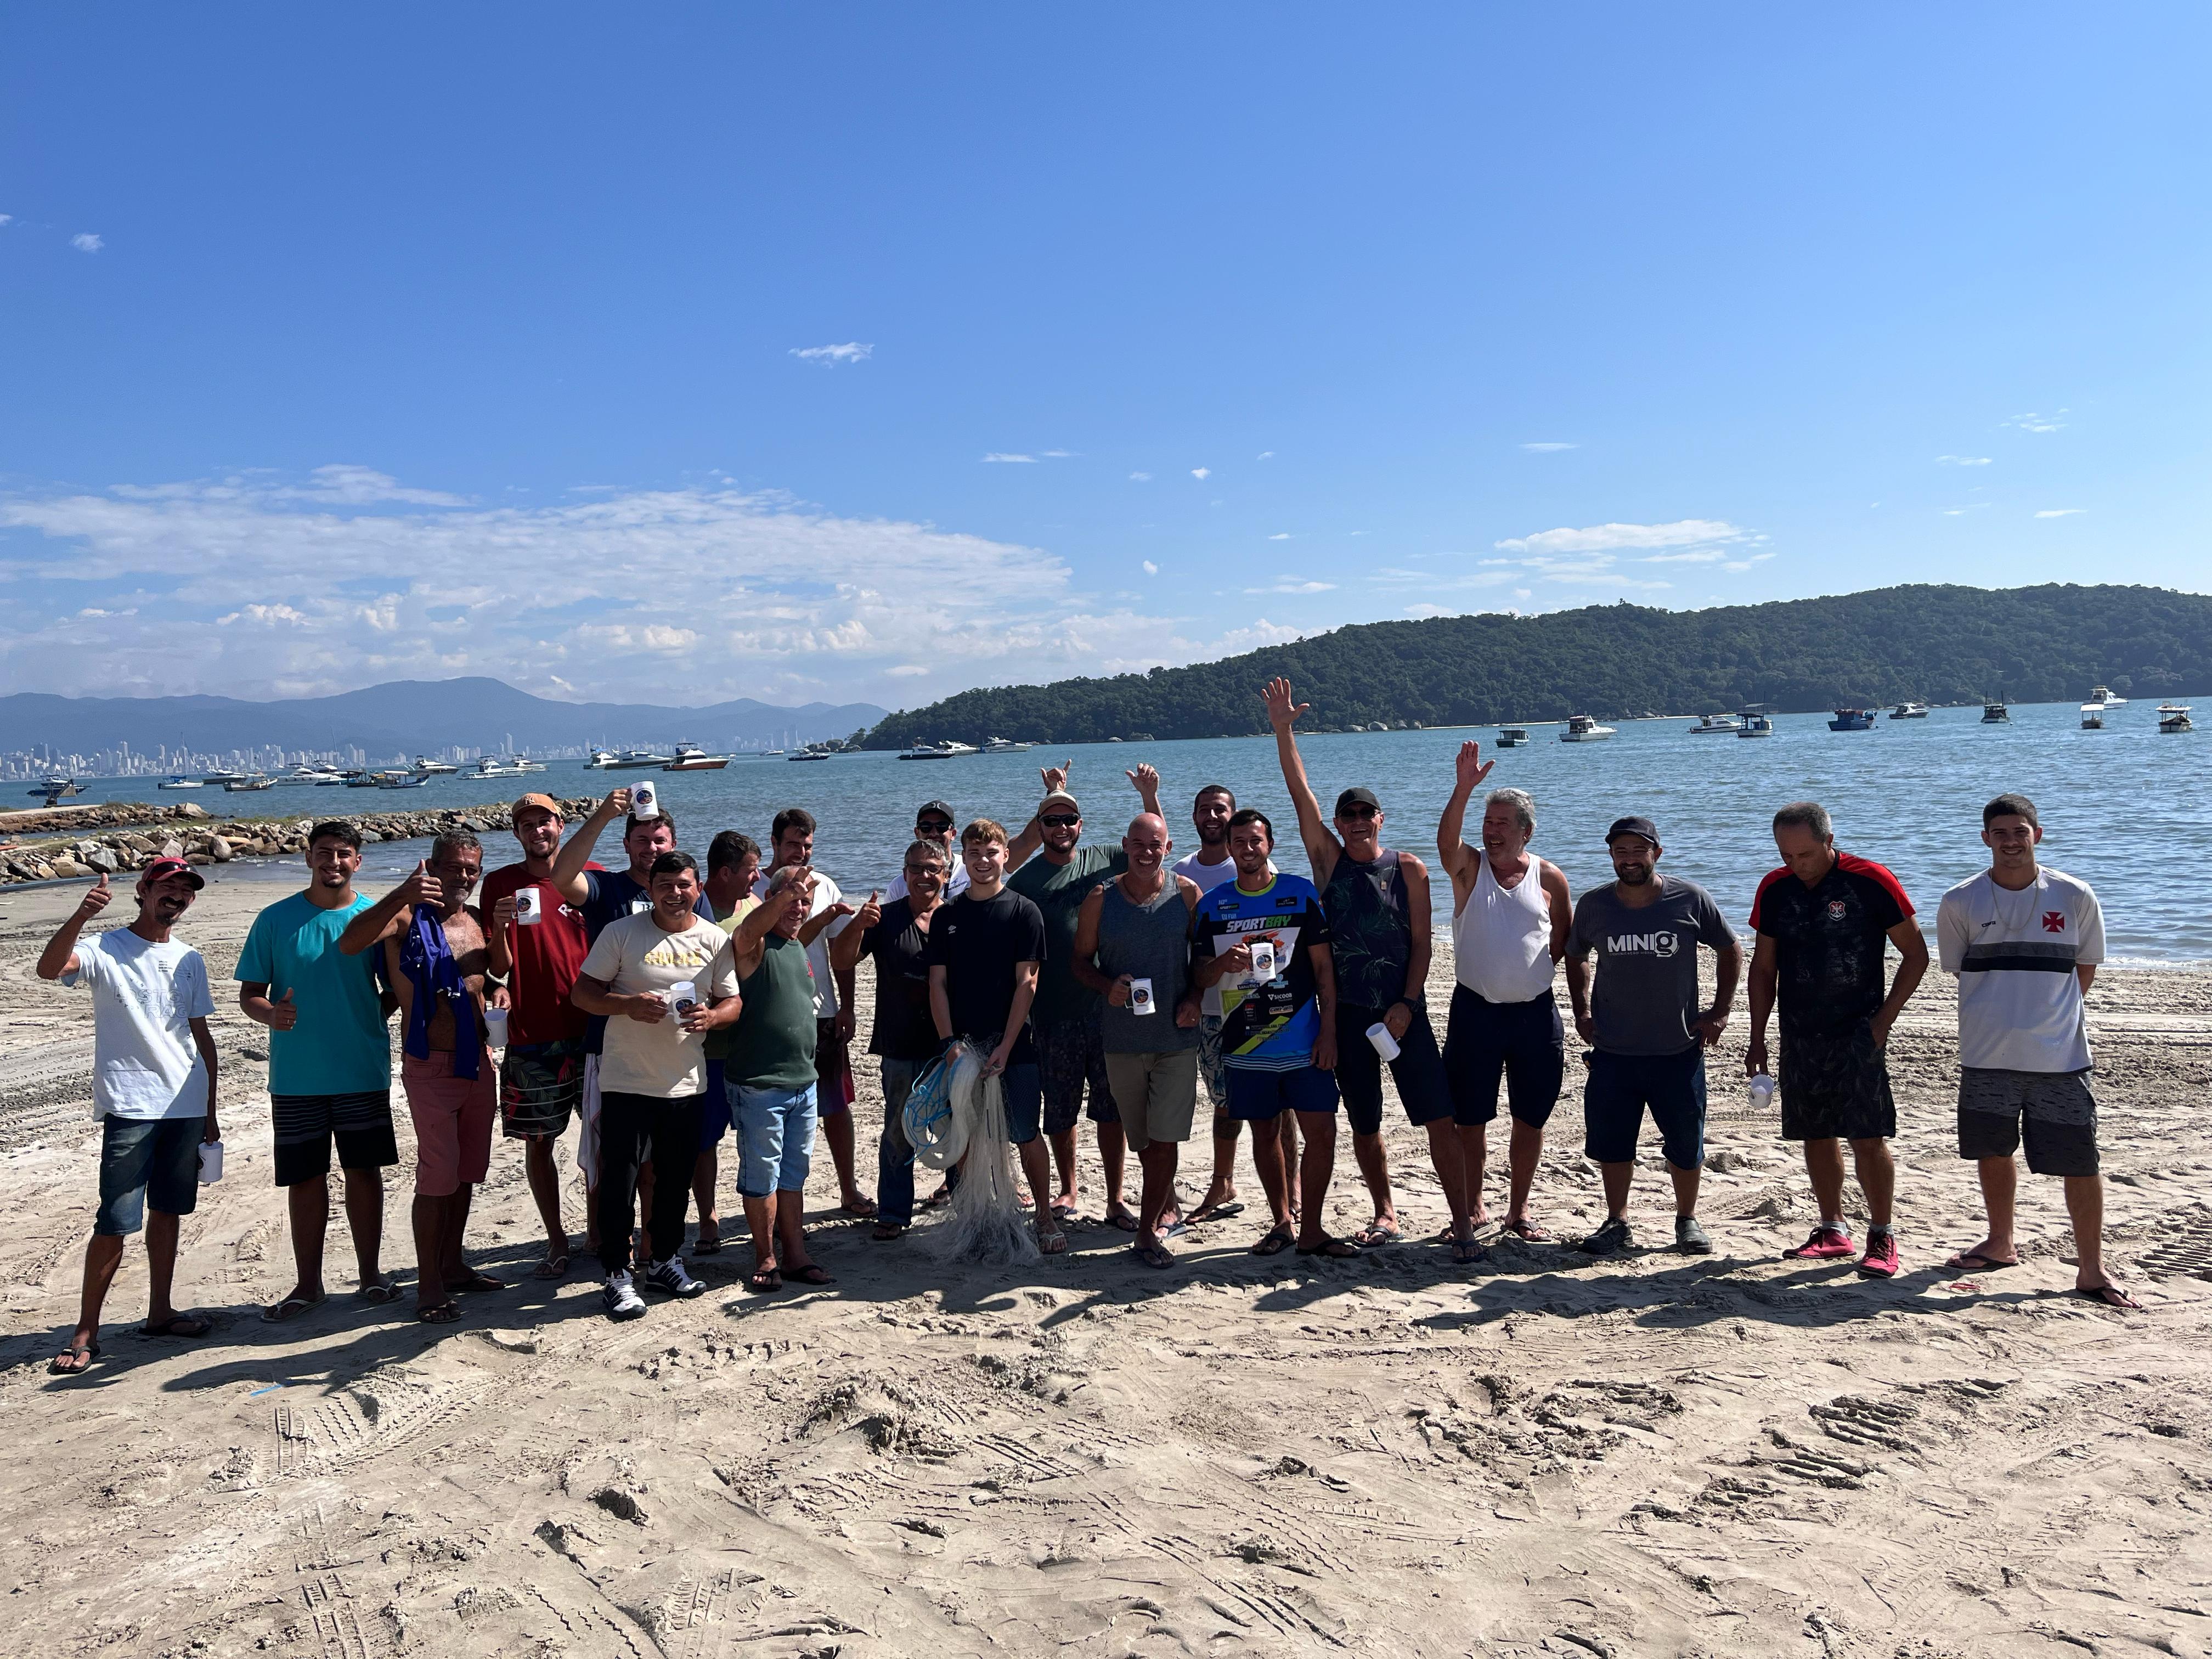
(984, 950)
(329, 1066)
(153, 1089)
(1649, 1033)
(1065, 1016)
(1377, 900)
(1131, 948)
(1264, 939)
(1510, 914)
(1823, 922)
(542, 1078)
(435, 958)
(2024, 941)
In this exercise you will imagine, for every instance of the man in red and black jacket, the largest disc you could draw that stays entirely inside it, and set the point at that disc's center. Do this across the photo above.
(1824, 921)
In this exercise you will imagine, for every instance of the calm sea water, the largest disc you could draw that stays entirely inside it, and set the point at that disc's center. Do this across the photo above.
(2124, 808)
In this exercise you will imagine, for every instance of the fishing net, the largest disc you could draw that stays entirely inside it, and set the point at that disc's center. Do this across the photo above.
(986, 1222)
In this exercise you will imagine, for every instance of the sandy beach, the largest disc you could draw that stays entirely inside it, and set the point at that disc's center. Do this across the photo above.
(1656, 1455)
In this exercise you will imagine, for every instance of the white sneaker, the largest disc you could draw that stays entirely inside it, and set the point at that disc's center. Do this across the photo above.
(622, 1298)
(669, 1276)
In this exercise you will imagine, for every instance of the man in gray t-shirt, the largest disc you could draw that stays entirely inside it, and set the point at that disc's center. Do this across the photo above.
(1648, 1031)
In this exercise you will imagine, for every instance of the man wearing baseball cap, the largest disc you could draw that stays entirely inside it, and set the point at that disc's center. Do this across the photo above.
(153, 1088)
(1649, 1033)
(932, 822)
(538, 946)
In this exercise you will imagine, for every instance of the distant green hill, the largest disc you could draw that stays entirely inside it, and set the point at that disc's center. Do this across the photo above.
(1938, 645)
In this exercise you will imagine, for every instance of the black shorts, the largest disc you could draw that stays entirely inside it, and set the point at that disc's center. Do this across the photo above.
(541, 1087)
(1072, 1052)
(1835, 1087)
(1522, 1043)
(1418, 1071)
(2053, 1111)
(306, 1125)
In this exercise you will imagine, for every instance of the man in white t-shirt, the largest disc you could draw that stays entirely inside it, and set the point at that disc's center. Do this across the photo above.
(153, 1088)
(2025, 942)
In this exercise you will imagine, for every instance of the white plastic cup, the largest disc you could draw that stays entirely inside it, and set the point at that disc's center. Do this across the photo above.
(682, 995)
(210, 1162)
(527, 911)
(1140, 997)
(1762, 1091)
(496, 1027)
(1263, 961)
(642, 801)
(1385, 1044)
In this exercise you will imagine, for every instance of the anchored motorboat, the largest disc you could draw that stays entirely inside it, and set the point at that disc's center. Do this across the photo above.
(252, 781)
(430, 769)
(951, 748)
(2092, 717)
(1512, 737)
(1756, 723)
(1581, 728)
(2173, 717)
(1996, 713)
(180, 781)
(2104, 694)
(1711, 725)
(486, 767)
(1908, 711)
(1852, 719)
(691, 758)
(1001, 746)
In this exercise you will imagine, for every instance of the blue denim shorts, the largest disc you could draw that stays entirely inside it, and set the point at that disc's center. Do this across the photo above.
(1023, 1085)
(775, 1137)
(146, 1160)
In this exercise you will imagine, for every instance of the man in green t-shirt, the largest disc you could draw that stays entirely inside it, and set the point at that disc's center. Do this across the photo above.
(1071, 1052)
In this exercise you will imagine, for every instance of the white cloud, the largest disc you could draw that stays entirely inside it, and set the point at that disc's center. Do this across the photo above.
(1963, 460)
(86, 242)
(1265, 455)
(1708, 556)
(1523, 593)
(2060, 512)
(1280, 536)
(1295, 587)
(1151, 569)
(853, 351)
(1140, 477)
(2033, 423)
(1057, 455)
(1970, 507)
(906, 670)
(1424, 609)
(1741, 565)
(6, 218)
(1549, 448)
(1201, 473)
(997, 456)
(1604, 538)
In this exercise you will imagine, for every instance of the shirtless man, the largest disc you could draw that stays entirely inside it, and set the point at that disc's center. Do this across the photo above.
(436, 956)
(1510, 914)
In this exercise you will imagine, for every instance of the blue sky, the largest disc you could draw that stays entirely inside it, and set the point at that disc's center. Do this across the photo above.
(345, 346)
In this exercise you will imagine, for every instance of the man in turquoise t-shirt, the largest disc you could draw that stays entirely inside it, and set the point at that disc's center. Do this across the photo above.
(330, 1064)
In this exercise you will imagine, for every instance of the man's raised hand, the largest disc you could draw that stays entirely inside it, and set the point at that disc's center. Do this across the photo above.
(1145, 778)
(1055, 777)
(617, 801)
(871, 913)
(1281, 711)
(95, 898)
(422, 887)
(1472, 769)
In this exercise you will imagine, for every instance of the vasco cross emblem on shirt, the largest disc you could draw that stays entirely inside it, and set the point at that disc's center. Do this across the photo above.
(2054, 921)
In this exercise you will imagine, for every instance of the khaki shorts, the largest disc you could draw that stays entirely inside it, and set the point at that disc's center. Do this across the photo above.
(1155, 1094)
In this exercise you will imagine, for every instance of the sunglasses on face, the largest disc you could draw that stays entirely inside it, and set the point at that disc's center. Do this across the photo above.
(932, 870)
(932, 826)
(1061, 821)
(1356, 812)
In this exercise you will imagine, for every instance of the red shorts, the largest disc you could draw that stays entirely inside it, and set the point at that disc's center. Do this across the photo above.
(453, 1122)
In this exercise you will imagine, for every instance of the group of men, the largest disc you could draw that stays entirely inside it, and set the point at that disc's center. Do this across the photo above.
(663, 1011)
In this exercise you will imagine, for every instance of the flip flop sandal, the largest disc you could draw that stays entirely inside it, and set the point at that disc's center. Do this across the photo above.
(477, 1282)
(378, 1294)
(1152, 1256)
(1122, 1223)
(1174, 1229)
(59, 1365)
(860, 1208)
(1467, 1250)
(1275, 1242)
(1374, 1233)
(554, 1266)
(184, 1325)
(1339, 1249)
(885, 1232)
(1973, 1261)
(438, 1313)
(1528, 1232)
(811, 1273)
(1222, 1212)
(764, 1281)
(706, 1247)
(2109, 1296)
(1054, 1243)
(291, 1305)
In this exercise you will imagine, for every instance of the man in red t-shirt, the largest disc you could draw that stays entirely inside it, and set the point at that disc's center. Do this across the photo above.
(542, 1082)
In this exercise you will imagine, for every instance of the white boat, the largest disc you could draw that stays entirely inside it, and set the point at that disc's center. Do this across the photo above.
(221, 776)
(2092, 717)
(248, 784)
(2104, 694)
(1756, 724)
(1996, 713)
(430, 769)
(401, 780)
(1712, 724)
(1908, 711)
(951, 748)
(486, 767)
(809, 754)
(180, 781)
(627, 760)
(524, 763)
(691, 758)
(1512, 737)
(1581, 728)
(307, 776)
(56, 785)
(1001, 746)
(2174, 717)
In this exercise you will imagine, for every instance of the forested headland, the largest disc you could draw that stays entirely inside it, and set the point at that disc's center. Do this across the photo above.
(1933, 644)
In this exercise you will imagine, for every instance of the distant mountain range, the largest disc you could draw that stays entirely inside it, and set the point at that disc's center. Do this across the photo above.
(1930, 644)
(403, 716)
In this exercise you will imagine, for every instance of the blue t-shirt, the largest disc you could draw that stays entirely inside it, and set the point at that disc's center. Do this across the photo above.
(609, 896)
(339, 1045)
(1265, 1025)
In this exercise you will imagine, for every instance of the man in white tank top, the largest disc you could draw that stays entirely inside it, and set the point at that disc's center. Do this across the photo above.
(1510, 913)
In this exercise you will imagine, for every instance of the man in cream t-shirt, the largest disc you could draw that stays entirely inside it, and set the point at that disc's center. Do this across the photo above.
(652, 1068)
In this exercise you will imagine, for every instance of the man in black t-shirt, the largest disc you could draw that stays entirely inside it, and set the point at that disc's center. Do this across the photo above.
(984, 954)
(1823, 922)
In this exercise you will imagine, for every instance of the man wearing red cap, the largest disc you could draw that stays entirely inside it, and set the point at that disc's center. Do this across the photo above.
(153, 1088)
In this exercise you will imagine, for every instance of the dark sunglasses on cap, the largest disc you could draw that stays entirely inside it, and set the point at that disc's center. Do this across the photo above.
(1060, 820)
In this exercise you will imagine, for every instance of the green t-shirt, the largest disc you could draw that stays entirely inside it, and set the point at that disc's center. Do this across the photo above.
(339, 1045)
(772, 1044)
(1058, 891)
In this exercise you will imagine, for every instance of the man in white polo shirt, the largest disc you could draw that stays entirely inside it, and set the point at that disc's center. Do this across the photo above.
(2025, 942)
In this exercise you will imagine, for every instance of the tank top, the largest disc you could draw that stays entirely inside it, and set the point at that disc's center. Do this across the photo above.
(772, 1044)
(1371, 940)
(1149, 941)
(1502, 937)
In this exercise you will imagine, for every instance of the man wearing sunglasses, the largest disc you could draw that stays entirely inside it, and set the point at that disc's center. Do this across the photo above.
(932, 822)
(1377, 900)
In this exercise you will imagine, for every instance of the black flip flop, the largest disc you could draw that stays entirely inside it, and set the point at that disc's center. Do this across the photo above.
(89, 1350)
(2108, 1296)
(1221, 1212)
(438, 1313)
(1152, 1256)
(1972, 1261)
(1337, 1249)
(764, 1281)
(188, 1326)
(1278, 1241)
(812, 1273)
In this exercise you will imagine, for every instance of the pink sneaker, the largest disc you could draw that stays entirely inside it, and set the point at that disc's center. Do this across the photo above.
(1825, 1244)
(1879, 1260)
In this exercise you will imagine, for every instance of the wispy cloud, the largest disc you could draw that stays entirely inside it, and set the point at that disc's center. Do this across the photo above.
(995, 455)
(1265, 455)
(1548, 448)
(1057, 455)
(1963, 460)
(1140, 477)
(85, 242)
(1958, 512)
(2060, 512)
(6, 218)
(2033, 423)
(1426, 609)
(1741, 565)
(1607, 537)
(1707, 556)
(853, 351)
(1201, 473)
(1295, 587)
(1280, 536)
(1151, 569)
